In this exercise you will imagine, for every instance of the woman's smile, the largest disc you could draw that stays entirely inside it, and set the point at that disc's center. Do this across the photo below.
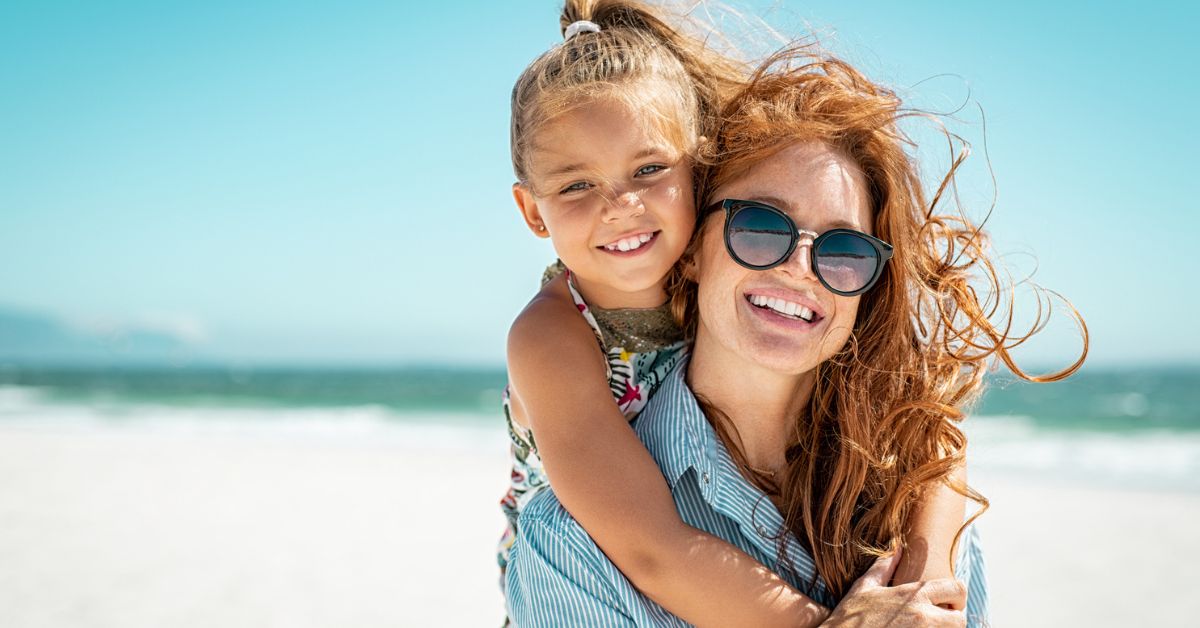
(784, 307)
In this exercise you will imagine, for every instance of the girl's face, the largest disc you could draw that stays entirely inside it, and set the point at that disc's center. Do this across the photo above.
(820, 189)
(615, 199)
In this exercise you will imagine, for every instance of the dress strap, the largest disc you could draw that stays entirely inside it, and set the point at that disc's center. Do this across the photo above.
(583, 308)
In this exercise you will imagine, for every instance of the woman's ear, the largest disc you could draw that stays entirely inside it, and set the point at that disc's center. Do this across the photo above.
(688, 267)
(527, 203)
(690, 272)
(689, 264)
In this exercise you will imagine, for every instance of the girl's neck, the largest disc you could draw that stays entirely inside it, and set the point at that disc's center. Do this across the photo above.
(606, 297)
(761, 404)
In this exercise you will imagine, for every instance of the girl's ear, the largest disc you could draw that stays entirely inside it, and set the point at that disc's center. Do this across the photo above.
(529, 210)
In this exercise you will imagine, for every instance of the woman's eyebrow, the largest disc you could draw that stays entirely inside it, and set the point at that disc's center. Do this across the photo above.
(840, 224)
(773, 201)
(780, 203)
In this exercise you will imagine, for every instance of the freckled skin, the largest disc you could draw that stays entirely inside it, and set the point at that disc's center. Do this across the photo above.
(817, 187)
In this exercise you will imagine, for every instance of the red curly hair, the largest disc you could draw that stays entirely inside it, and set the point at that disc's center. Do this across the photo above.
(882, 425)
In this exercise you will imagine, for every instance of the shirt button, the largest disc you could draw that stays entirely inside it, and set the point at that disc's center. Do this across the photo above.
(704, 476)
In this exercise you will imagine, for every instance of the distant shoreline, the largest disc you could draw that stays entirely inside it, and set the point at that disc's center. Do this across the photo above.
(1125, 401)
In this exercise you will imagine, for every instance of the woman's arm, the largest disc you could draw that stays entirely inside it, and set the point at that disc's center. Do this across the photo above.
(604, 476)
(930, 530)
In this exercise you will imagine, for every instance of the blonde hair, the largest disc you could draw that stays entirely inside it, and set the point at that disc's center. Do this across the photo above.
(634, 43)
(882, 424)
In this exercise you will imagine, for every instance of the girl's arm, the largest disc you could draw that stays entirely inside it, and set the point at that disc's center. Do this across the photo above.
(930, 530)
(607, 480)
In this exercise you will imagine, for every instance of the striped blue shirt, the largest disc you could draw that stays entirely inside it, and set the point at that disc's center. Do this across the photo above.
(557, 576)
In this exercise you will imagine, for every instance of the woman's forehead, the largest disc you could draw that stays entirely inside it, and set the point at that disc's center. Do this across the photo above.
(817, 185)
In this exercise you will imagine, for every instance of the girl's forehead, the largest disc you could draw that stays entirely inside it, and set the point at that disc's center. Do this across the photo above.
(603, 130)
(646, 105)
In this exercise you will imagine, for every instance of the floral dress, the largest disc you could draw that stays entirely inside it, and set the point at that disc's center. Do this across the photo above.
(641, 346)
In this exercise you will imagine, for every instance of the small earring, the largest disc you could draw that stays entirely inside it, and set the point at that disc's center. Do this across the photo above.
(541, 227)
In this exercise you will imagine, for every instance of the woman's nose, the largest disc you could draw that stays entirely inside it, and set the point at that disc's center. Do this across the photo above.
(800, 263)
(623, 205)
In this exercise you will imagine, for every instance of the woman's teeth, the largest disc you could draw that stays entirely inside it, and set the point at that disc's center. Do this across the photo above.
(630, 243)
(787, 308)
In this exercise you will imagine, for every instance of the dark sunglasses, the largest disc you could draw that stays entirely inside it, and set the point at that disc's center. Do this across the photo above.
(759, 237)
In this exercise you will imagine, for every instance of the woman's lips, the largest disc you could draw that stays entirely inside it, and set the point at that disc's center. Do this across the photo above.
(779, 318)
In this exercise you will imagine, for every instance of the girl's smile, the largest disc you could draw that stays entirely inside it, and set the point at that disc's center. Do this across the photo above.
(630, 245)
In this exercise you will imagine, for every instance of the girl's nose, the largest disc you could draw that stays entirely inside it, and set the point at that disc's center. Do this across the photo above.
(622, 206)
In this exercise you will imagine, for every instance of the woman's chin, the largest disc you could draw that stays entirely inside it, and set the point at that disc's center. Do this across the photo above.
(782, 355)
(779, 344)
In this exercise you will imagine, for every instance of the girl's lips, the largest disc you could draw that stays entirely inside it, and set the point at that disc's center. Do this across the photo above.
(645, 246)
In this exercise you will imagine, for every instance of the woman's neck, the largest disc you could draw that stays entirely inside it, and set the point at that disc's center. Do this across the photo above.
(761, 404)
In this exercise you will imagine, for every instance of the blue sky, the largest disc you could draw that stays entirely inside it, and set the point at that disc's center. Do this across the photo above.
(330, 182)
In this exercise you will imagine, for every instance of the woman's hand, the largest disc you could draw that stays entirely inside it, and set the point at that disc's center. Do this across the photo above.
(871, 602)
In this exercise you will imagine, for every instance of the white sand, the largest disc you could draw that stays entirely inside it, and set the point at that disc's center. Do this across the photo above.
(1064, 555)
(146, 526)
(138, 527)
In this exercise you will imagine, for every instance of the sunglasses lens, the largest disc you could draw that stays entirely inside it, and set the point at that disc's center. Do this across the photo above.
(759, 237)
(847, 262)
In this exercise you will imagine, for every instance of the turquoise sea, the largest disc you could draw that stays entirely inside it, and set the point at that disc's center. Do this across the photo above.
(1110, 401)
(1131, 427)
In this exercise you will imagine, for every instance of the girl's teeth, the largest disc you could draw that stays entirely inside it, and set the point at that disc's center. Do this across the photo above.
(630, 243)
(787, 308)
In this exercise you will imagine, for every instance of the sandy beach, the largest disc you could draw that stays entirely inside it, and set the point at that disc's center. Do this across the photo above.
(141, 524)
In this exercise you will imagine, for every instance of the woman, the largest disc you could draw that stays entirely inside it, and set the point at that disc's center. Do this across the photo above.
(823, 391)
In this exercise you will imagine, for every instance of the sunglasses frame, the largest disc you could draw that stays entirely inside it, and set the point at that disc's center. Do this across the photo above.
(732, 206)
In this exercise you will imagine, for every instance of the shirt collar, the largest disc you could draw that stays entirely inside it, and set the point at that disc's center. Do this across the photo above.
(676, 432)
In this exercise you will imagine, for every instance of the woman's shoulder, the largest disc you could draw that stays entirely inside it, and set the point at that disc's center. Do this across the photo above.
(545, 509)
(545, 524)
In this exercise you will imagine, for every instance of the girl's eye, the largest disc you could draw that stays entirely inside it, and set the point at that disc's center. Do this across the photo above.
(575, 187)
(649, 170)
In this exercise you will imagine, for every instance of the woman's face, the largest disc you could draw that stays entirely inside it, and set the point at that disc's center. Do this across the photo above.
(820, 189)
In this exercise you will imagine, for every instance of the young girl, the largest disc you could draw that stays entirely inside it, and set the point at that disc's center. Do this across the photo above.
(604, 129)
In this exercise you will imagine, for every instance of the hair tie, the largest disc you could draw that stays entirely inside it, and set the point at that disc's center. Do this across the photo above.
(580, 26)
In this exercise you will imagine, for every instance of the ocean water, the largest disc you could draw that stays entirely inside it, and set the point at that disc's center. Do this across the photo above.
(1134, 428)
